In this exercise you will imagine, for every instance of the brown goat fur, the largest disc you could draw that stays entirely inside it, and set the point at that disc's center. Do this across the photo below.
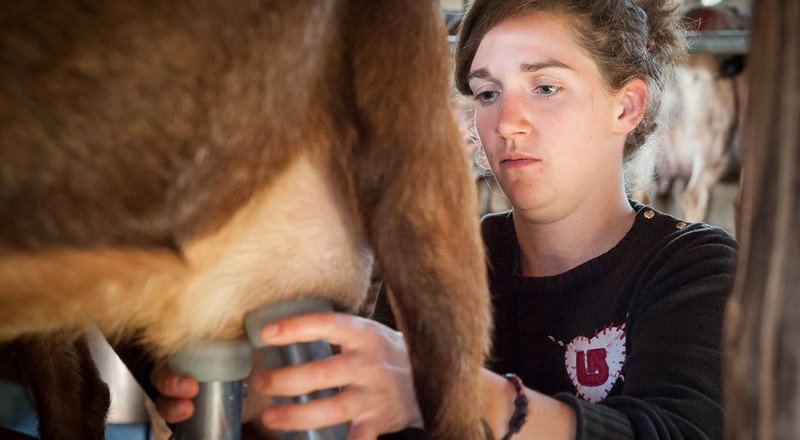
(167, 166)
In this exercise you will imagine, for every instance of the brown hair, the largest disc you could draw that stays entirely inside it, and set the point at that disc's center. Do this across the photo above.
(627, 38)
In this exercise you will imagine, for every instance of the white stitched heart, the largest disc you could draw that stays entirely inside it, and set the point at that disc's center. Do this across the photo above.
(594, 365)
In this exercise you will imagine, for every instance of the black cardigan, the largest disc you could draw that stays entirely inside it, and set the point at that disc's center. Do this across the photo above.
(631, 339)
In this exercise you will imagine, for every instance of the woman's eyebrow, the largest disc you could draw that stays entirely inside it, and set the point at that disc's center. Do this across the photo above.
(533, 67)
(478, 73)
(483, 73)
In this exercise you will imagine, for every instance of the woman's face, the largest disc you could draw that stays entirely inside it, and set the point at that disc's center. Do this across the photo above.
(547, 123)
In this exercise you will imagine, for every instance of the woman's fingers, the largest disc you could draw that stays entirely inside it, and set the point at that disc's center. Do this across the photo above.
(369, 411)
(371, 368)
(173, 385)
(314, 414)
(353, 405)
(333, 372)
(174, 410)
(174, 404)
(368, 352)
(336, 328)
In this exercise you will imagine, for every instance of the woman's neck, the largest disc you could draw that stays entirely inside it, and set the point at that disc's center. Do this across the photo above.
(587, 232)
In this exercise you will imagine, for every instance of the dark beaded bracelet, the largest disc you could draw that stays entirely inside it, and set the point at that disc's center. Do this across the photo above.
(520, 406)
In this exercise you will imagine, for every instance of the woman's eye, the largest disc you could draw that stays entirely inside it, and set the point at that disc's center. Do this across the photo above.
(547, 90)
(487, 96)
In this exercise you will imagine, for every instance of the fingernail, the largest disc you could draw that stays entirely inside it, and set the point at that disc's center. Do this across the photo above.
(185, 410)
(268, 416)
(185, 386)
(269, 332)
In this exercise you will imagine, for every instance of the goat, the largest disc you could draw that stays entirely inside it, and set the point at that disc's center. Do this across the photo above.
(168, 166)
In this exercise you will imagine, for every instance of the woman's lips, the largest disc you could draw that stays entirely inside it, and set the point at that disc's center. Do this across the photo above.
(518, 162)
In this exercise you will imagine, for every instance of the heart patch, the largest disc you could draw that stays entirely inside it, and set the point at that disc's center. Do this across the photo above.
(594, 365)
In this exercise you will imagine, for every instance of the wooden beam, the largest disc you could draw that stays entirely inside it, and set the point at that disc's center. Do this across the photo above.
(762, 329)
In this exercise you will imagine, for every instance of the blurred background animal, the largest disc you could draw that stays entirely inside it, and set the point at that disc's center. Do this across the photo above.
(168, 166)
(705, 101)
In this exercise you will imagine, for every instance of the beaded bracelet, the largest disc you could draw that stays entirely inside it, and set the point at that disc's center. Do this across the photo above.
(520, 406)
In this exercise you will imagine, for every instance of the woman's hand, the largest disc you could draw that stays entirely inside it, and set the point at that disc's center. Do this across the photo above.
(371, 368)
(174, 404)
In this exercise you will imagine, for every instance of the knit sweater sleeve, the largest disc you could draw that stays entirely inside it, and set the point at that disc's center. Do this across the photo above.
(672, 376)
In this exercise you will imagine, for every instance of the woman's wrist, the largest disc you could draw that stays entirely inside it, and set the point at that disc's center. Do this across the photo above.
(498, 401)
(520, 414)
(546, 417)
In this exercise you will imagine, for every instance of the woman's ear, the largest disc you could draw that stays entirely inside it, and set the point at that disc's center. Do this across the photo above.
(632, 105)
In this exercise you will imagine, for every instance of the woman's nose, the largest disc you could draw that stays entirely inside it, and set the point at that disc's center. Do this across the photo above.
(512, 118)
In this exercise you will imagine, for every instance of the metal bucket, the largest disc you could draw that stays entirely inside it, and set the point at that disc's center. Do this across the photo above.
(127, 397)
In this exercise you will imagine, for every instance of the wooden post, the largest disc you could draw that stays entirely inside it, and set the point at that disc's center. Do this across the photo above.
(762, 329)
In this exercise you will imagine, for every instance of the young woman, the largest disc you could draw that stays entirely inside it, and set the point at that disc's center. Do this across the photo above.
(609, 311)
